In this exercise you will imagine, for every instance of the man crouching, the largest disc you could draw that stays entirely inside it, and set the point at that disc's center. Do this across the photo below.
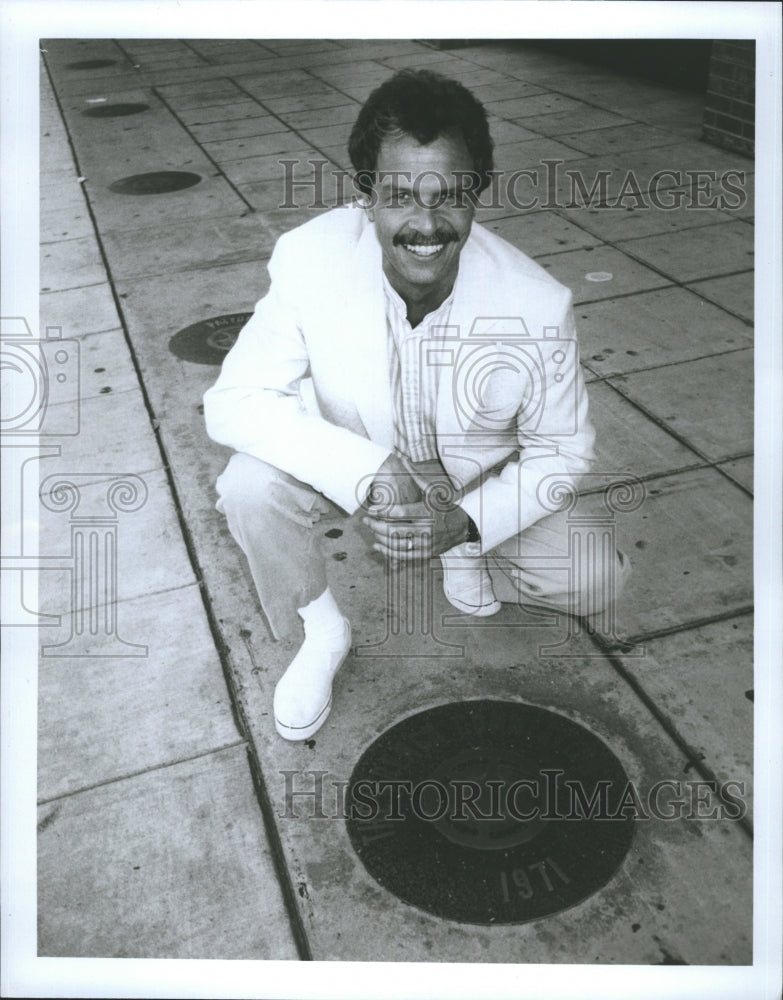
(439, 355)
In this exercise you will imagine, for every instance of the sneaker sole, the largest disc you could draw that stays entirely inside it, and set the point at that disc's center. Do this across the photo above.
(294, 733)
(304, 732)
(477, 611)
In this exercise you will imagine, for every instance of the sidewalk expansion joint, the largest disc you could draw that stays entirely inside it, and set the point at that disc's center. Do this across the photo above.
(279, 857)
(597, 377)
(155, 430)
(722, 616)
(281, 869)
(194, 140)
(562, 212)
(663, 364)
(162, 270)
(125, 58)
(651, 477)
(713, 463)
(671, 282)
(142, 771)
(677, 137)
(694, 759)
(81, 337)
(196, 53)
(667, 286)
(288, 128)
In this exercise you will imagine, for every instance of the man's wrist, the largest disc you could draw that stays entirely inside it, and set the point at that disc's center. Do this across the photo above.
(392, 484)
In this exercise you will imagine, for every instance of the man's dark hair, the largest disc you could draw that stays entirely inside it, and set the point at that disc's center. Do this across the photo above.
(424, 105)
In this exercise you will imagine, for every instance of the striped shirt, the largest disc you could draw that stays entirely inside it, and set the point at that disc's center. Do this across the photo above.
(414, 385)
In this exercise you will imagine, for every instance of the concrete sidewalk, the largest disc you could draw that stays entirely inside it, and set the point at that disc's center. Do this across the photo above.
(162, 797)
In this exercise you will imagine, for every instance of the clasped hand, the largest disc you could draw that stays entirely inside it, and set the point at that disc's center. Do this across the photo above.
(411, 529)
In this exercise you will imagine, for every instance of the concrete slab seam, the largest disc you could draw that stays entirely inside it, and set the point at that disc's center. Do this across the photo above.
(220, 645)
(144, 770)
(306, 143)
(696, 623)
(155, 430)
(680, 438)
(676, 137)
(278, 853)
(216, 165)
(671, 282)
(664, 364)
(651, 477)
(693, 758)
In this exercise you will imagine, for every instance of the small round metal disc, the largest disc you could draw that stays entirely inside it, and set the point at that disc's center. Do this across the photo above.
(115, 110)
(208, 342)
(92, 64)
(156, 182)
(489, 812)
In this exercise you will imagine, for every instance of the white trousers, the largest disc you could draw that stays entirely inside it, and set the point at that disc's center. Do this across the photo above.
(273, 518)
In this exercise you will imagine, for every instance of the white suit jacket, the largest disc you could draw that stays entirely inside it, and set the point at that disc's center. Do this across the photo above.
(510, 389)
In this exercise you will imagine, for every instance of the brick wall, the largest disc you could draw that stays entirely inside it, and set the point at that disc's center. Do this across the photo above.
(729, 107)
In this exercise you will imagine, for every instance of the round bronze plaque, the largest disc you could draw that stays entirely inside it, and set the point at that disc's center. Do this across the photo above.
(115, 110)
(489, 812)
(208, 342)
(156, 182)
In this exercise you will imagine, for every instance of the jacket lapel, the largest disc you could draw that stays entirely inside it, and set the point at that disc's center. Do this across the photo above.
(470, 297)
(478, 307)
(366, 334)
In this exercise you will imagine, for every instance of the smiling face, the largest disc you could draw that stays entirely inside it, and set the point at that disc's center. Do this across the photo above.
(421, 221)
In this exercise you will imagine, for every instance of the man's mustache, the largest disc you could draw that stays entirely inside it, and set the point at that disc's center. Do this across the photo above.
(418, 240)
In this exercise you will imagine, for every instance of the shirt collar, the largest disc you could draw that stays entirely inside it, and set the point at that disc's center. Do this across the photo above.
(397, 303)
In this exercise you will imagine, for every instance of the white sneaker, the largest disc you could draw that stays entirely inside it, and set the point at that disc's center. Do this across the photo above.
(466, 582)
(303, 695)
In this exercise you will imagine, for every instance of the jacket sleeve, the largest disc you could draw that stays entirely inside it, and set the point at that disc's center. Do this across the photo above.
(256, 405)
(553, 455)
